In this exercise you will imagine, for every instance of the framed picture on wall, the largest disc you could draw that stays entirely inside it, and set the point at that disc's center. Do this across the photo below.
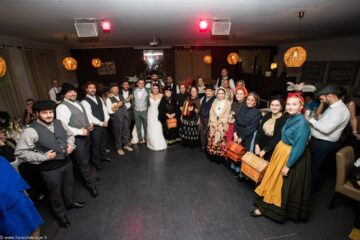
(107, 68)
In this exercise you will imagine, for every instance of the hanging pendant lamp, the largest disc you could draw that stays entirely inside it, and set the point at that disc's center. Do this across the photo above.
(233, 58)
(207, 59)
(295, 56)
(2, 67)
(96, 62)
(69, 63)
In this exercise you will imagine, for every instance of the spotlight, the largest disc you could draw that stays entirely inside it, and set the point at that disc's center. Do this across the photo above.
(105, 26)
(203, 25)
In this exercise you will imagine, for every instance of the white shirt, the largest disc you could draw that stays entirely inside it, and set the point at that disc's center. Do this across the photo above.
(126, 95)
(52, 93)
(91, 117)
(63, 113)
(332, 123)
(109, 104)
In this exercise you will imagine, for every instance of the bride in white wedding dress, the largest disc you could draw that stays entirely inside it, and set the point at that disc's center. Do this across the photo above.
(155, 136)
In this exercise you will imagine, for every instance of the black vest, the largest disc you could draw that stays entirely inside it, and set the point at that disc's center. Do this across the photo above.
(120, 114)
(205, 107)
(96, 109)
(48, 140)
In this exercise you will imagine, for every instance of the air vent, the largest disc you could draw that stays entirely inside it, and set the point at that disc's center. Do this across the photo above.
(86, 27)
(221, 27)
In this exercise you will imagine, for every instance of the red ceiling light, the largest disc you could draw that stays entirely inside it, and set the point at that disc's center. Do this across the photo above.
(203, 25)
(105, 26)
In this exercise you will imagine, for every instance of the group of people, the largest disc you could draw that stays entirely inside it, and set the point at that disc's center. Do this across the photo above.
(159, 114)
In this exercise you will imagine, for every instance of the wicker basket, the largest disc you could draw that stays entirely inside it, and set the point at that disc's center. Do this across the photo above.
(253, 166)
(171, 123)
(234, 151)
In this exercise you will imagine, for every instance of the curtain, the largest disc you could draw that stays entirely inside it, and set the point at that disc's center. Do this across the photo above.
(248, 56)
(41, 66)
(10, 94)
(189, 64)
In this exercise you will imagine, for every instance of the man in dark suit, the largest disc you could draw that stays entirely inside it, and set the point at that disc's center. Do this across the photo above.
(127, 94)
(205, 107)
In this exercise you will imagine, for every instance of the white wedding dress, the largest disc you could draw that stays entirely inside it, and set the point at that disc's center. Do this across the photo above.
(155, 136)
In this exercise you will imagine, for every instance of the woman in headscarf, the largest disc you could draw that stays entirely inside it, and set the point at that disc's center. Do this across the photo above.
(218, 125)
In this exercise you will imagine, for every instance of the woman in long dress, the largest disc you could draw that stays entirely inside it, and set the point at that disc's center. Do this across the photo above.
(155, 136)
(269, 131)
(284, 192)
(189, 129)
(218, 126)
(168, 109)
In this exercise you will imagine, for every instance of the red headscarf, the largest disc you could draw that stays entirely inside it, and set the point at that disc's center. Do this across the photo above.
(298, 96)
(246, 93)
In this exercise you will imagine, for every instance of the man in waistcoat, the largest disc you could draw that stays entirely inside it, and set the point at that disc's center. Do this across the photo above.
(119, 116)
(47, 143)
(174, 88)
(155, 80)
(127, 94)
(205, 106)
(98, 116)
(224, 75)
(72, 113)
(141, 103)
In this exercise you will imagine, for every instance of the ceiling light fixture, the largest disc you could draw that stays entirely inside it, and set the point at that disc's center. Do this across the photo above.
(203, 25)
(296, 56)
(105, 26)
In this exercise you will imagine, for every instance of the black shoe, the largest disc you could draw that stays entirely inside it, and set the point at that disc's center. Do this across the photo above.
(99, 168)
(241, 179)
(77, 205)
(64, 222)
(107, 159)
(93, 192)
(95, 179)
(254, 214)
(236, 174)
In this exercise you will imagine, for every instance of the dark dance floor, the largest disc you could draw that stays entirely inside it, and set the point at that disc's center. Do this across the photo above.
(178, 194)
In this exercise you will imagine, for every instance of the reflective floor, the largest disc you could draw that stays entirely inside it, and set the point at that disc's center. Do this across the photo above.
(178, 194)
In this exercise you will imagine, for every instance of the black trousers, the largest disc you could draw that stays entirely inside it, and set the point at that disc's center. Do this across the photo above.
(59, 183)
(98, 144)
(204, 130)
(121, 133)
(82, 157)
(320, 150)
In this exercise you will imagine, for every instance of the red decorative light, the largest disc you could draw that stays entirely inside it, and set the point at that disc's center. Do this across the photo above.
(105, 26)
(203, 25)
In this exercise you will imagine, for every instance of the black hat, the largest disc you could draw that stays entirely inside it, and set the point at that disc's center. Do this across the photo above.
(44, 105)
(65, 87)
(209, 86)
(113, 84)
(326, 90)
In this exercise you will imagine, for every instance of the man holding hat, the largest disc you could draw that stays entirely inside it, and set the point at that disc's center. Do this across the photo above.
(205, 106)
(98, 116)
(47, 144)
(72, 113)
(119, 117)
(326, 131)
